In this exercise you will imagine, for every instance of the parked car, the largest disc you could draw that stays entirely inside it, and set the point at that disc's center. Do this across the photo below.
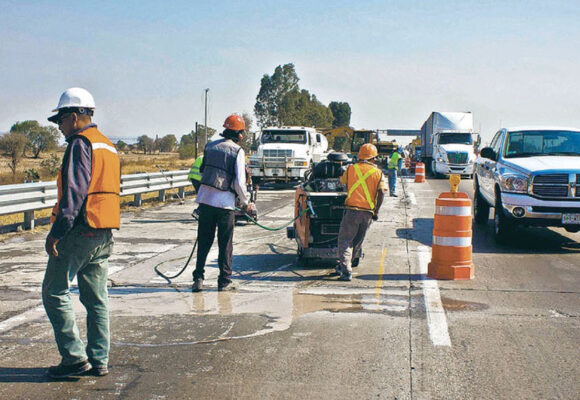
(531, 176)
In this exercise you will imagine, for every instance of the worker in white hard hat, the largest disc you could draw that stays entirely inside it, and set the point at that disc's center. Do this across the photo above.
(80, 239)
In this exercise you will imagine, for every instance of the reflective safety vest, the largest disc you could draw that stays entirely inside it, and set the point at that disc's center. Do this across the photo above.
(394, 161)
(362, 182)
(194, 172)
(103, 204)
(220, 158)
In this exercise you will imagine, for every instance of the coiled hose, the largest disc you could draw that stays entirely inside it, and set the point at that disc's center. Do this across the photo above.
(168, 278)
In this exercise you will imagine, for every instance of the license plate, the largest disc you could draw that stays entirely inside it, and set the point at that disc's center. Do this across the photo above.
(572, 219)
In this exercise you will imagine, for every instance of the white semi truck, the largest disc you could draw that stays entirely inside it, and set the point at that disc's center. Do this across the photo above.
(285, 153)
(447, 143)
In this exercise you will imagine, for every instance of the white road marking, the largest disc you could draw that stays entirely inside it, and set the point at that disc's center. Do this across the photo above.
(436, 319)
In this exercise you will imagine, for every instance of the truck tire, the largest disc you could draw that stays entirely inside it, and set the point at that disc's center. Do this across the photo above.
(480, 207)
(502, 226)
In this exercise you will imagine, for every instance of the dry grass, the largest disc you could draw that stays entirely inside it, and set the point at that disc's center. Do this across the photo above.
(130, 164)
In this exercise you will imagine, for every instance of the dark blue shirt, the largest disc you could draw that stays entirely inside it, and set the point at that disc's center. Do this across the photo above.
(76, 178)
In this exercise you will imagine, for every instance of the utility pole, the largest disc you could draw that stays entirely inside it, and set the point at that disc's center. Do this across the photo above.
(205, 120)
(196, 142)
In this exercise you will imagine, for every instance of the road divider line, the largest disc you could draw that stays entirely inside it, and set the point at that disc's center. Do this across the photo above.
(436, 318)
(380, 280)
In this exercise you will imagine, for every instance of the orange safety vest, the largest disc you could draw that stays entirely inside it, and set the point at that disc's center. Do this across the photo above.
(103, 204)
(362, 182)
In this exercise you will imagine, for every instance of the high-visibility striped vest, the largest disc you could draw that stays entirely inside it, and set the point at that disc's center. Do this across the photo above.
(194, 172)
(362, 182)
(103, 205)
(394, 161)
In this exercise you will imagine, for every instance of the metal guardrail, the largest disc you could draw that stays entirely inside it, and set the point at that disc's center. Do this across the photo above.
(29, 197)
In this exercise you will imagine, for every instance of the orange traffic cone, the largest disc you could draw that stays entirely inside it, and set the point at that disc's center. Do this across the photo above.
(451, 252)
(420, 172)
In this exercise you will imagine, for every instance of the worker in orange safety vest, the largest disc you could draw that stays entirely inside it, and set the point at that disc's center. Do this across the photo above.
(365, 193)
(80, 240)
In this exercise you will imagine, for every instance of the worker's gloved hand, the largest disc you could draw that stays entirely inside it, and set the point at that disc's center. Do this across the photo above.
(375, 217)
(50, 246)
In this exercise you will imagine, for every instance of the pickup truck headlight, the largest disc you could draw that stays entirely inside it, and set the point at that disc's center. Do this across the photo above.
(301, 163)
(514, 183)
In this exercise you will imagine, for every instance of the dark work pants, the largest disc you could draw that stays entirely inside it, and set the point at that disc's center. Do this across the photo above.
(210, 218)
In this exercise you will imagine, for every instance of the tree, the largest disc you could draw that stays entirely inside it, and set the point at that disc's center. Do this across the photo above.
(341, 113)
(40, 138)
(145, 144)
(121, 146)
(13, 145)
(51, 164)
(273, 89)
(167, 143)
(302, 108)
(248, 138)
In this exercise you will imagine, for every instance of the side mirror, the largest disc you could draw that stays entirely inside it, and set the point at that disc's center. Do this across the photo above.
(488, 152)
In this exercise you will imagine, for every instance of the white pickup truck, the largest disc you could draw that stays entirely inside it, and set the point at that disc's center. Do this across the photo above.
(285, 153)
(531, 176)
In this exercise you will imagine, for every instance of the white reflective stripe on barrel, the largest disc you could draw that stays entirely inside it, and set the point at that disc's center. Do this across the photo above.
(452, 241)
(464, 211)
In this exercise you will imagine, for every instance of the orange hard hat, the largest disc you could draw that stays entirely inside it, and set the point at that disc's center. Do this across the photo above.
(367, 151)
(235, 122)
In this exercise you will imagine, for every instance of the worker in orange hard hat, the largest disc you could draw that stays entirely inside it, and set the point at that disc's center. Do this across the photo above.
(223, 179)
(365, 192)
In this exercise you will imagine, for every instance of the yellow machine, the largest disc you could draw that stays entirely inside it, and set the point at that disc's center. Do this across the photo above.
(339, 139)
(360, 137)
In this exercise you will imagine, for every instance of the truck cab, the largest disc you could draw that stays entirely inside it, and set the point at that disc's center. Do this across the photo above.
(285, 153)
(530, 176)
(453, 153)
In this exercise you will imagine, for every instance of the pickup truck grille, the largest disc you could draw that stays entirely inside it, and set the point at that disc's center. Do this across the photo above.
(457, 158)
(277, 153)
(556, 186)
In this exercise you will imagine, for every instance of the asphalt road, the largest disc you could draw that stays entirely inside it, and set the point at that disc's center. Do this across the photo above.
(296, 332)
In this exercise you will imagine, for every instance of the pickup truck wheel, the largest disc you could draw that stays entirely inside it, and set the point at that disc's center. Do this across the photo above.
(480, 208)
(572, 229)
(503, 227)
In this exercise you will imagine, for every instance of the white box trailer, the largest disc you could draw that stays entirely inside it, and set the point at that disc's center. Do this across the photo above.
(285, 153)
(447, 143)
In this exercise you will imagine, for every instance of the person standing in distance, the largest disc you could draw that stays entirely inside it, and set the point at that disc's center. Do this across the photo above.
(80, 239)
(365, 192)
(195, 177)
(223, 178)
(395, 164)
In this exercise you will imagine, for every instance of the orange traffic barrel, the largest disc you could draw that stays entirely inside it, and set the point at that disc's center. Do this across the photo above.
(451, 251)
(420, 172)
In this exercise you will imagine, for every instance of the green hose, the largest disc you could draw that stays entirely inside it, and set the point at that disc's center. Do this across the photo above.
(274, 229)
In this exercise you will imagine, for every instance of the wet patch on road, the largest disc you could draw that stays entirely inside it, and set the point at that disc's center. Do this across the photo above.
(462, 305)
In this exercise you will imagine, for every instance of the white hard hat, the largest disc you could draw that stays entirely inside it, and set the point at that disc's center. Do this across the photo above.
(76, 98)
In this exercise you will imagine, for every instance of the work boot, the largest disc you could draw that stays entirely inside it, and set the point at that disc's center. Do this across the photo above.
(64, 371)
(345, 276)
(355, 262)
(394, 195)
(227, 287)
(197, 285)
(99, 370)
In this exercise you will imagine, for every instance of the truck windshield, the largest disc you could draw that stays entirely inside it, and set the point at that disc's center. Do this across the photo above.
(283, 136)
(455, 137)
(542, 143)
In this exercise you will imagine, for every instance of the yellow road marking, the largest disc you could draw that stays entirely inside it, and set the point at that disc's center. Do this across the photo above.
(381, 269)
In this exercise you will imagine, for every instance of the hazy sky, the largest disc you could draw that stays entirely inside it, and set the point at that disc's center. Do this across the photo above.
(148, 62)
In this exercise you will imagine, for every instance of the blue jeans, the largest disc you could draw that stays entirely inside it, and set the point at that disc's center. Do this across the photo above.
(392, 175)
(84, 253)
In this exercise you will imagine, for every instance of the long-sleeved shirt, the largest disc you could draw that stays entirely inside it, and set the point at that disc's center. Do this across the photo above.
(76, 178)
(227, 200)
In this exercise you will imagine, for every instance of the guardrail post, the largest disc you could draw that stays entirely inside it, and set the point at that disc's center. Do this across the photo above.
(28, 220)
(161, 195)
(137, 200)
(181, 192)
